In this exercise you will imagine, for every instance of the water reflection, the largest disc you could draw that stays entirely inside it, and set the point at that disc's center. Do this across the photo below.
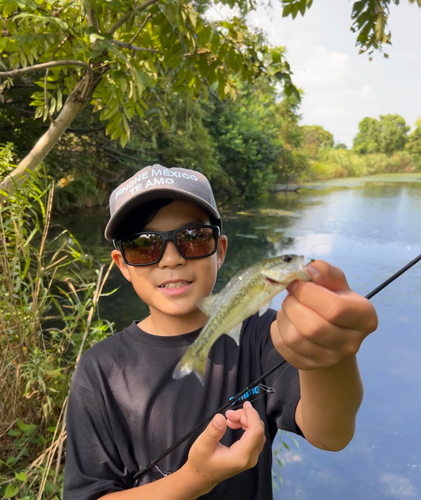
(369, 229)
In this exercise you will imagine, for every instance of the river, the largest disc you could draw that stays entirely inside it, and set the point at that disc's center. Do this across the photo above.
(369, 227)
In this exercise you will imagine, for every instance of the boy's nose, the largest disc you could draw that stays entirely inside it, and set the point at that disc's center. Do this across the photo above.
(171, 256)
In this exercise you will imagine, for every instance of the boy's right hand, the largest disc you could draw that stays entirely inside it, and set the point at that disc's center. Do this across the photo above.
(214, 462)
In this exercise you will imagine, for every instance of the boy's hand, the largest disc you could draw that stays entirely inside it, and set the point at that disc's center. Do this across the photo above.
(322, 322)
(214, 462)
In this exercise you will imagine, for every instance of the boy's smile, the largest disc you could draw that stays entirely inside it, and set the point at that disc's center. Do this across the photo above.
(173, 286)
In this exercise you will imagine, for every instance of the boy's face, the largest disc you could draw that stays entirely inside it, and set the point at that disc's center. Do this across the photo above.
(191, 280)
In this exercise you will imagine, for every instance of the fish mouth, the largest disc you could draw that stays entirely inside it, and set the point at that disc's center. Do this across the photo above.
(273, 282)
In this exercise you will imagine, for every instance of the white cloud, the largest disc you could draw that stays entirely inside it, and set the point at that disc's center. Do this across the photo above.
(399, 486)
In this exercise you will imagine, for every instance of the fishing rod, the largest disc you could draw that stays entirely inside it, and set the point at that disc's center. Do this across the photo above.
(224, 407)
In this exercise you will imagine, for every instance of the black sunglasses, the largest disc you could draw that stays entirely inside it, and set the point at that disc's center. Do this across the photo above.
(192, 242)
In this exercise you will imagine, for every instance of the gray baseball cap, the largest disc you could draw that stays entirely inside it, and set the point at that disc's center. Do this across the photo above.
(158, 182)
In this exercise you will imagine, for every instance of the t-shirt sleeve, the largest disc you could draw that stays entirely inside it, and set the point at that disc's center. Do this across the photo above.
(281, 404)
(93, 466)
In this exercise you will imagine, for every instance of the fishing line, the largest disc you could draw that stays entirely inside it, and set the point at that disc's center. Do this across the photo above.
(226, 406)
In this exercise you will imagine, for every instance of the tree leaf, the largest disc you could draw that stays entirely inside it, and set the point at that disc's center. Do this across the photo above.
(287, 10)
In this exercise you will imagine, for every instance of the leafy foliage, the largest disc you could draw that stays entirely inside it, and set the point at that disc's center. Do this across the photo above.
(385, 135)
(315, 137)
(414, 141)
(126, 50)
(332, 163)
(255, 139)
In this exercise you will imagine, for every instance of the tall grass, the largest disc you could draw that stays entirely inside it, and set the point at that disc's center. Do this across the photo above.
(49, 292)
(332, 163)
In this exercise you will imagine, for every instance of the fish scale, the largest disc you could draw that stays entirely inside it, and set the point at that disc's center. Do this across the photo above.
(247, 292)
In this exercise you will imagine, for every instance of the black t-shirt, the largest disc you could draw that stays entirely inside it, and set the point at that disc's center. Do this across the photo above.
(125, 409)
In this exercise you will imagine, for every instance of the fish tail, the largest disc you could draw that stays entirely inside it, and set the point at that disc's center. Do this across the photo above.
(191, 362)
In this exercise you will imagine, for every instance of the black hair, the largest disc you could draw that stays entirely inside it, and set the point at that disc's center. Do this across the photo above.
(141, 216)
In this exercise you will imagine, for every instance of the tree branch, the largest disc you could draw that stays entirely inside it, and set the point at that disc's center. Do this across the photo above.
(51, 64)
(126, 16)
(91, 19)
(134, 47)
(141, 28)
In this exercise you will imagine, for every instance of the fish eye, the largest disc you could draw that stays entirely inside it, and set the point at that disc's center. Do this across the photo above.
(287, 258)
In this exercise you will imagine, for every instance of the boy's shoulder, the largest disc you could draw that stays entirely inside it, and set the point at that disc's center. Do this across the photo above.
(104, 357)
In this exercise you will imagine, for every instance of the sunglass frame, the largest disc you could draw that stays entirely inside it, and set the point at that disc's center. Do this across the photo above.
(167, 236)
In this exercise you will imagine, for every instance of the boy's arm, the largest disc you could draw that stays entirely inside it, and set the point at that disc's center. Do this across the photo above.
(184, 484)
(319, 330)
(209, 462)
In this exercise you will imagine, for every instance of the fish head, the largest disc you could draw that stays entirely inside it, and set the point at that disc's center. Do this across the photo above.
(283, 270)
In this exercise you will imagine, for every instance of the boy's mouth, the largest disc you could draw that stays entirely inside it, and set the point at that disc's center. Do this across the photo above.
(175, 284)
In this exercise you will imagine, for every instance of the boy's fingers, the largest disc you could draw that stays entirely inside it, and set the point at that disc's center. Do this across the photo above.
(236, 419)
(327, 276)
(255, 431)
(234, 415)
(329, 295)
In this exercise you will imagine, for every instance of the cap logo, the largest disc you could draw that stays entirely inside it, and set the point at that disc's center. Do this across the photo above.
(151, 178)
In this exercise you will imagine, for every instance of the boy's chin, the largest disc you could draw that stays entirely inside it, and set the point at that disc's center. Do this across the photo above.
(181, 311)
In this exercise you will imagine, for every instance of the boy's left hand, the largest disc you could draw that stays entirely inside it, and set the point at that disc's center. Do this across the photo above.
(323, 321)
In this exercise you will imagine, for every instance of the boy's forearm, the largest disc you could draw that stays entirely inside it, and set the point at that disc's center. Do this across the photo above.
(184, 484)
(330, 398)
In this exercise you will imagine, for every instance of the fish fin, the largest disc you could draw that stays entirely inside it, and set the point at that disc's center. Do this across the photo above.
(235, 333)
(190, 363)
(264, 308)
(206, 304)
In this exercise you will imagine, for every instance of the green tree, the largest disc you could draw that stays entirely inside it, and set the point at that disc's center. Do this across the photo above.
(316, 137)
(393, 133)
(386, 135)
(254, 139)
(114, 55)
(292, 161)
(369, 20)
(340, 145)
(414, 141)
(367, 139)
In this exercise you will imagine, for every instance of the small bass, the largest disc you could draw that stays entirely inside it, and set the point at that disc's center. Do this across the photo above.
(249, 291)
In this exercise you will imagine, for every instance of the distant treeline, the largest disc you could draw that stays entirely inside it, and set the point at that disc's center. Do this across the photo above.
(244, 146)
(382, 145)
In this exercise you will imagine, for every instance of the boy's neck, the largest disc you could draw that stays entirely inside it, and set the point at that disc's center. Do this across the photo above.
(168, 326)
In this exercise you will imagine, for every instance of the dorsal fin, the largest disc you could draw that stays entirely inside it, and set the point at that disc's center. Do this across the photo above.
(206, 304)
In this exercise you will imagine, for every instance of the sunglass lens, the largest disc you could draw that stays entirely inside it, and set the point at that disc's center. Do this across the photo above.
(144, 249)
(196, 241)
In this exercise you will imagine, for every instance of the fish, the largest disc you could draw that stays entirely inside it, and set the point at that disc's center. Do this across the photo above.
(248, 292)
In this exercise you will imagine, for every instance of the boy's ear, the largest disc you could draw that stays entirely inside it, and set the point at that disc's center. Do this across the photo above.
(118, 259)
(222, 250)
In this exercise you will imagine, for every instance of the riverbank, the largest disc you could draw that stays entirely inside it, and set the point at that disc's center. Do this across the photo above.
(335, 163)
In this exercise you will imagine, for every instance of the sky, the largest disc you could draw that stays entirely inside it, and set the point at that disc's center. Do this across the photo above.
(341, 87)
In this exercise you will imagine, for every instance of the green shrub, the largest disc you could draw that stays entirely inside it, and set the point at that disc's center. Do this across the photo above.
(331, 163)
(49, 290)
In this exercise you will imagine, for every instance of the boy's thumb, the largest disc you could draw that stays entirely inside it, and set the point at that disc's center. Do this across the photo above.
(216, 428)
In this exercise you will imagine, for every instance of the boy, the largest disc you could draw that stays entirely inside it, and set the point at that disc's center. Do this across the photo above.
(125, 408)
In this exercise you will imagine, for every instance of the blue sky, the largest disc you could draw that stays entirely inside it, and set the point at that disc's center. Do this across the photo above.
(341, 86)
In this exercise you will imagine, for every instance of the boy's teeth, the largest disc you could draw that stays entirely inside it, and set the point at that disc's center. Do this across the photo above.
(174, 285)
